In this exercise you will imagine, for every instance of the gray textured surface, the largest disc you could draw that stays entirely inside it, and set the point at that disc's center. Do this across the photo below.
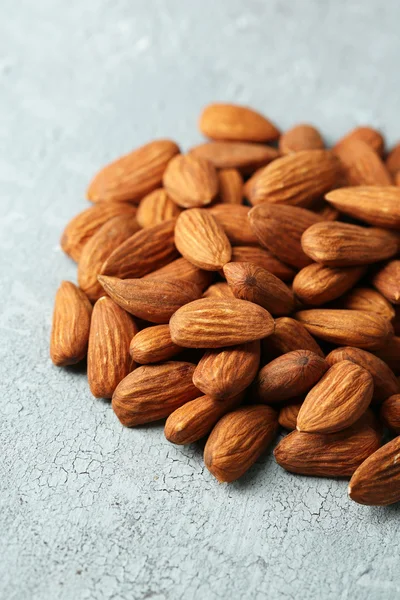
(90, 510)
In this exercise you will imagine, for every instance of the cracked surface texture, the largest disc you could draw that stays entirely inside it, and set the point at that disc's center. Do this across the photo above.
(90, 510)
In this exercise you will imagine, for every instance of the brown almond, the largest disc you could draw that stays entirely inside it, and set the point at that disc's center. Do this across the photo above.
(368, 300)
(393, 160)
(362, 165)
(218, 290)
(215, 323)
(108, 360)
(263, 258)
(387, 281)
(237, 123)
(390, 413)
(190, 181)
(289, 375)
(233, 219)
(71, 323)
(347, 327)
(390, 353)
(366, 134)
(317, 284)
(152, 345)
(153, 392)
(238, 440)
(202, 240)
(155, 208)
(289, 335)
(335, 244)
(300, 137)
(182, 269)
(255, 284)
(376, 205)
(288, 416)
(230, 186)
(245, 157)
(227, 372)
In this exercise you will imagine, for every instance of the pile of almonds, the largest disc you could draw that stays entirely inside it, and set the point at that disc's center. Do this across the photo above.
(251, 283)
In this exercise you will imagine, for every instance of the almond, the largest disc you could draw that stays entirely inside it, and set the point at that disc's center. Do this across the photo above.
(247, 158)
(108, 361)
(317, 284)
(191, 181)
(289, 375)
(134, 175)
(152, 345)
(143, 252)
(347, 327)
(253, 283)
(71, 323)
(376, 205)
(201, 240)
(238, 123)
(335, 244)
(362, 165)
(288, 416)
(376, 482)
(366, 134)
(230, 186)
(289, 335)
(390, 413)
(393, 160)
(390, 353)
(182, 269)
(233, 219)
(154, 301)
(218, 290)
(263, 258)
(155, 208)
(153, 392)
(300, 137)
(279, 228)
(387, 281)
(297, 179)
(227, 372)
(196, 418)
(368, 300)
(215, 323)
(238, 440)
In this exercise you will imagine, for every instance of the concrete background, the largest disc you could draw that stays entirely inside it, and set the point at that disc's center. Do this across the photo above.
(90, 510)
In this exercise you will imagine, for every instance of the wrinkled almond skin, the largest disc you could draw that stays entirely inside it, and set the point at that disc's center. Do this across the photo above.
(236, 123)
(317, 284)
(196, 418)
(152, 345)
(243, 156)
(390, 353)
(155, 208)
(215, 323)
(153, 392)
(280, 229)
(108, 361)
(335, 244)
(362, 165)
(263, 258)
(385, 381)
(154, 301)
(238, 440)
(376, 205)
(367, 300)
(390, 413)
(233, 219)
(219, 290)
(190, 181)
(182, 269)
(134, 175)
(289, 375)
(347, 327)
(227, 372)
(366, 134)
(230, 187)
(393, 160)
(387, 281)
(301, 137)
(376, 482)
(297, 179)
(288, 416)
(327, 454)
(201, 240)
(338, 400)
(145, 251)
(289, 335)
(255, 284)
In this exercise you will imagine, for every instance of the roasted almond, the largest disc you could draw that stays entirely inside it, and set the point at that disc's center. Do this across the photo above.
(300, 137)
(182, 269)
(288, 416)
(233, 219)
(191, 181)
(218, 290)
(362, 165)
(317, 284)
(366, 134)
(245, 157)
(376, 205)
(238, 440)
(152, 345)
(230, 188)
(263, 258)
(289, 335)
(390, 353)
(238, 123)
(393, 160)
(387, 281)
(368, 300)
(155, 208)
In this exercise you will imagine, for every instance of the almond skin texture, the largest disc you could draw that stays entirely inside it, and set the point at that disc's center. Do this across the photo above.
(108, 362)
(362, 165)
(249, 282)
(238, 440)
(376, 205)
(71, 323)
(280, 229)
(234, 221)
(219, 290)
(227, 372)
(134, 175)
(317, 284)
(145, 251)
(377, 480)
(82, 227)
(155, 208)
(152, 345)
(289, 375)
(390, 413)
(297, 179)
(263, 258)
(300, 137)
(366, 134)
(346, 327)
(111, 235)
(230, 186)
(153, 392)
(387, 281)
(196, 418)
(215, 323)
(385, 381)
(245, 157)
(237, 123)
(393, 160)
(201, 240)
(327, 454)
(338, 400)
(289, 335)
(182, 269)
(368, 300)
(191, 181)
(335, 244)
(154, 301)
(288, 416)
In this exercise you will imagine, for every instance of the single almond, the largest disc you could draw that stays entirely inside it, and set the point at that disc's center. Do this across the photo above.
(202, 240)
(71, 323)
(238, 440)
(387, 281)
(317, 284)
(376, 205)
(153, 392)
(233, 219)
(366, 134)
(390, 413)
(393, 160)
(215, 323)
(238, 123)
(390, 353)
(218, 290)
(190, 181)
(361, 164)
(301, 137)
(230, 188)
(245, 157)
(288, 416)
(367, 300)
(182, 269)
(134, 175)
(108, 361)
(263, 258)
(289, 335)
(152, 345)
(155, 208)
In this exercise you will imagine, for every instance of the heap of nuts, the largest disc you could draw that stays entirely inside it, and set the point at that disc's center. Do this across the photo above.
(250, 283)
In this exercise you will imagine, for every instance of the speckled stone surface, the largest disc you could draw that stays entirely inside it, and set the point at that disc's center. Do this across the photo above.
(89, 510)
